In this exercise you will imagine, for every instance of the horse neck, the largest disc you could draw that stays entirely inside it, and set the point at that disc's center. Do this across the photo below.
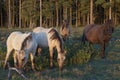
(59, 46)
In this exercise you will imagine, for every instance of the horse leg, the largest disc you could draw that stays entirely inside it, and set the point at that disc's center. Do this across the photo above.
(51, 58)
(15, 59)
(103, 50)
(7, 56)
(32, 61)
(91, 46)
(83, 38)
(39, 51)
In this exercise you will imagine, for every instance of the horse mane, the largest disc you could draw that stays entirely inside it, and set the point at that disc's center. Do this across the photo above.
(56, 36)
(24, 43)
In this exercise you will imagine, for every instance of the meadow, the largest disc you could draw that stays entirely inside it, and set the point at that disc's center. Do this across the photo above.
(82, 62)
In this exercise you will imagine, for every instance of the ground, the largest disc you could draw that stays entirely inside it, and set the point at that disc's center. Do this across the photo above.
(95, 69)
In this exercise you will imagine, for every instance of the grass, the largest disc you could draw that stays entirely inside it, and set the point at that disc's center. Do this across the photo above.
(91, 68)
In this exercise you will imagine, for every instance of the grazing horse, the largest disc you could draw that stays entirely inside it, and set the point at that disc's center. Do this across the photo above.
(23, 44)
(65, 30)
(49, 37)
(99, 34)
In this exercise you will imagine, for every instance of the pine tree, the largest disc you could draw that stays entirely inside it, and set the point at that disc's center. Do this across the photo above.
(40, 12)
(20, 13)
(29, 11)
(9, 14)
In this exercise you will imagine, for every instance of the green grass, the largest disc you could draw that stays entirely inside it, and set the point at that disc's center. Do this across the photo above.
(79, 64)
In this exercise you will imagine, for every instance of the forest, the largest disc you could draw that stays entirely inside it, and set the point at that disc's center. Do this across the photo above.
(51, 13)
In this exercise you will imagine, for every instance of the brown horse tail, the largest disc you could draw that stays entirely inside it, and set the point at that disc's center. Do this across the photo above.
(83, 38)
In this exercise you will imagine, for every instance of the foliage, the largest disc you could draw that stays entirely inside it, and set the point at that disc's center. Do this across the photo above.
(77, 54)
(70, 8)
(29, 10)
(48, 8)
(84, 7)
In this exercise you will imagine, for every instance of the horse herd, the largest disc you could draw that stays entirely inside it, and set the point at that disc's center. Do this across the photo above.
(31, 43)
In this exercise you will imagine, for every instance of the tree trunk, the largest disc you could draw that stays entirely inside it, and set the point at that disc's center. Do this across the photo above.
(19, 13)
(40, 12)
(115, 20)
(9, 15)
(1, 18)
(65, 12)
(57, 13)
(110, 14)
(79, 21)
(76, 14)
(70, 12)
(83, 19)
(30, 24)
(61, 15)
(88, 18)
(13, 14)
(91, 11)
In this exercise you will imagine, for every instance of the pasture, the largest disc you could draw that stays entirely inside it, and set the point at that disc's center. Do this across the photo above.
(82, 62)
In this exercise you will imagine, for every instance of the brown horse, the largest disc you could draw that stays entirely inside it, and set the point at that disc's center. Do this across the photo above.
(65, 30)
(99, 34)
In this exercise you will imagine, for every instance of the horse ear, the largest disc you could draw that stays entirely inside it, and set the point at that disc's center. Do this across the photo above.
(65, 52)
(29, 37)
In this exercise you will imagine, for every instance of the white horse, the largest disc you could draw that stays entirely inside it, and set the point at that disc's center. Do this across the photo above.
(49, 37)
(23, 44)
(65, 30)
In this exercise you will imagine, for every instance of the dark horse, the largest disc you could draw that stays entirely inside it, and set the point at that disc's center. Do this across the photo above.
(98, 34)
(65, 30)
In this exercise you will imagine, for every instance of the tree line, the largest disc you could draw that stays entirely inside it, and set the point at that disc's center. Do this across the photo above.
(51, 13)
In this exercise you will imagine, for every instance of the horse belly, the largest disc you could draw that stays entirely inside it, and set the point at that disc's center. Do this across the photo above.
(93, 38)
(43, 44)
(42, 40)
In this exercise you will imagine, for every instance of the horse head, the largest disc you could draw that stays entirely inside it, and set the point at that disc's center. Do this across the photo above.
(65, 30)
(109, 27)
(61, 59)
(24, 52)
(21, 57)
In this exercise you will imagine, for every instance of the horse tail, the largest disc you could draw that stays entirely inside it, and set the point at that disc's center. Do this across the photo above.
(83, 38)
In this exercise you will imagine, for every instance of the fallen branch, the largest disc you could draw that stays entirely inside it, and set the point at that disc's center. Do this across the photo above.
(15, 69)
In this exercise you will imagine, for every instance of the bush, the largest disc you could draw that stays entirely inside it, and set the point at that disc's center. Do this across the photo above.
(77, 53)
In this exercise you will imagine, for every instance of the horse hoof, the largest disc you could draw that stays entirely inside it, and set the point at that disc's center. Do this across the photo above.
(4, 67)
(60, 69)
(16, 66)
(51, 67)
(34, 70)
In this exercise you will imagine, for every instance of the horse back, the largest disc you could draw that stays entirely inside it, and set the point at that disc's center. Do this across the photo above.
(13, 40)
(93, 33)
